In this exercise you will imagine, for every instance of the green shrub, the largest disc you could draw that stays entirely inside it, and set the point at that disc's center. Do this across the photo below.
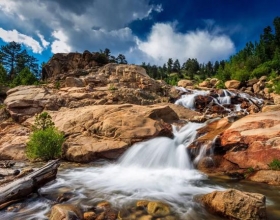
(45, 144)
(220, 85)
(43, 121)
(112, 87)
(274, 165)
(46, 141)
(276, 87)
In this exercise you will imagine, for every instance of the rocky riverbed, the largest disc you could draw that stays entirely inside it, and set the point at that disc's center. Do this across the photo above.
(182, 139)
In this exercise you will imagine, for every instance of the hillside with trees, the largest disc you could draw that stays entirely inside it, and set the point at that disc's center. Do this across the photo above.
(255, 60)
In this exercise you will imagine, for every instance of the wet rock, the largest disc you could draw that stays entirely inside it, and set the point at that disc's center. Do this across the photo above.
(234, 204)
(65, 197)
(263, 78)
(185, 83)
(103, 205)
(271, 177)
(142, 203)
(205, 84)
(232, 84)
(65, 212)
(108, 214)
(158, 209)
(251, 82)
(90, 216)
(270, 108)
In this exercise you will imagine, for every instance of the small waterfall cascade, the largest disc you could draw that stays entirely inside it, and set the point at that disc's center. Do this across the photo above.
(188, 100)
(223, 100)
(206, 150)
(226, 97)
(163, 152)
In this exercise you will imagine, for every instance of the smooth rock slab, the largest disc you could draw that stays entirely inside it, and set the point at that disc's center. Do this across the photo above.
(235, 204)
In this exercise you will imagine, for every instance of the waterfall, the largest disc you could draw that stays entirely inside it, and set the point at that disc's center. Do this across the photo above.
(188, 100)
(163, 152)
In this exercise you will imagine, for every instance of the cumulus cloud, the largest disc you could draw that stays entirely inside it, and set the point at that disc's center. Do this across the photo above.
(164, 42)
(14, 35)
(78, 25)
(60, 44)
(43, 41)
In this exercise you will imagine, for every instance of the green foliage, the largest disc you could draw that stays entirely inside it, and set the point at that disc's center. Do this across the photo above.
(276, 86)
(274, 164)
(46, 141)
(241, 75)
(3, 75)
(112, 87)
(57, 85)
(220, 85)
(261, 70)
(25, 77)
(251, 170)
(43, 121)
(45, 144)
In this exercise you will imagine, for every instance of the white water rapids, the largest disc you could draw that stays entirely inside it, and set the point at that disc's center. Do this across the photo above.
(157, 169)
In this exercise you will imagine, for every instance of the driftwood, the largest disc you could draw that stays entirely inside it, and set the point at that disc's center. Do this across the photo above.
(28, 184)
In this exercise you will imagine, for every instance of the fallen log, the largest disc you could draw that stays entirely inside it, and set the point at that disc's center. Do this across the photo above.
(28, 184)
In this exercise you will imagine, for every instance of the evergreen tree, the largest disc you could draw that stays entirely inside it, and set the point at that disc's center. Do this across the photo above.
(3, 75)
(169, 65)
(25, 77)
(121, 59)
(9, 57)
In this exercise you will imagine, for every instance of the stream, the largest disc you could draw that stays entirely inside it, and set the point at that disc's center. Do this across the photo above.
(157, 169)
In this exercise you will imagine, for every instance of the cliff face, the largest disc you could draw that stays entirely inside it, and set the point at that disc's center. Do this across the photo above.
(62, 65)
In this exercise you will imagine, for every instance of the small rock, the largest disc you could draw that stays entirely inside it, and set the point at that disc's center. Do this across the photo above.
(158, 209)
(89, 216)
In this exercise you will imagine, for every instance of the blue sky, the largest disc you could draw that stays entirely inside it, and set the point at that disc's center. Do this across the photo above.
(143, 30)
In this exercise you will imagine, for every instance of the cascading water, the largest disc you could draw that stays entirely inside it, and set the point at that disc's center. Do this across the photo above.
(157, 169)
(188, 100)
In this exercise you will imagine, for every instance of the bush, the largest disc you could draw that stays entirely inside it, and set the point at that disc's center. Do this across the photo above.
(46, 141)
(274, 165)
(45, 144)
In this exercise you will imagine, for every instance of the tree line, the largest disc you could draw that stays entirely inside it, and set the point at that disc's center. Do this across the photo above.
(260, 58)
(255, 60)
(17, 67)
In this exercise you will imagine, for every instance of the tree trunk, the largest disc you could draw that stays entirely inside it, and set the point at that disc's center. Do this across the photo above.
(28, 184)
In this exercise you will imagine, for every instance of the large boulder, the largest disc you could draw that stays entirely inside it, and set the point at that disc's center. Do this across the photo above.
(232, 84)
(13, 141)
(25, 101)
(65, 212)
(106, 131)
(253, 141)
(62, 65)
(271, 177)
(130, 76)
(185, 83)
(234, 204)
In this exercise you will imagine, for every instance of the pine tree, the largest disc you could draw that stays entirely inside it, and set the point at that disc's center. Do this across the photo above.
(9, 57)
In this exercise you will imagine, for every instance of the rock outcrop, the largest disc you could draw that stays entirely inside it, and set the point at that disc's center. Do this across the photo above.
(63, 65)
(253, 141)
(103, 131)
(234, 204)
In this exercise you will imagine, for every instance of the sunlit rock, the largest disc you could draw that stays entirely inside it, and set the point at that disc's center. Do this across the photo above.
(234, 204)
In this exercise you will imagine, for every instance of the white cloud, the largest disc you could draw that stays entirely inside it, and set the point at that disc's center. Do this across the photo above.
(14, 35)
(164, 42)
(60, 44)
(44, 42)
